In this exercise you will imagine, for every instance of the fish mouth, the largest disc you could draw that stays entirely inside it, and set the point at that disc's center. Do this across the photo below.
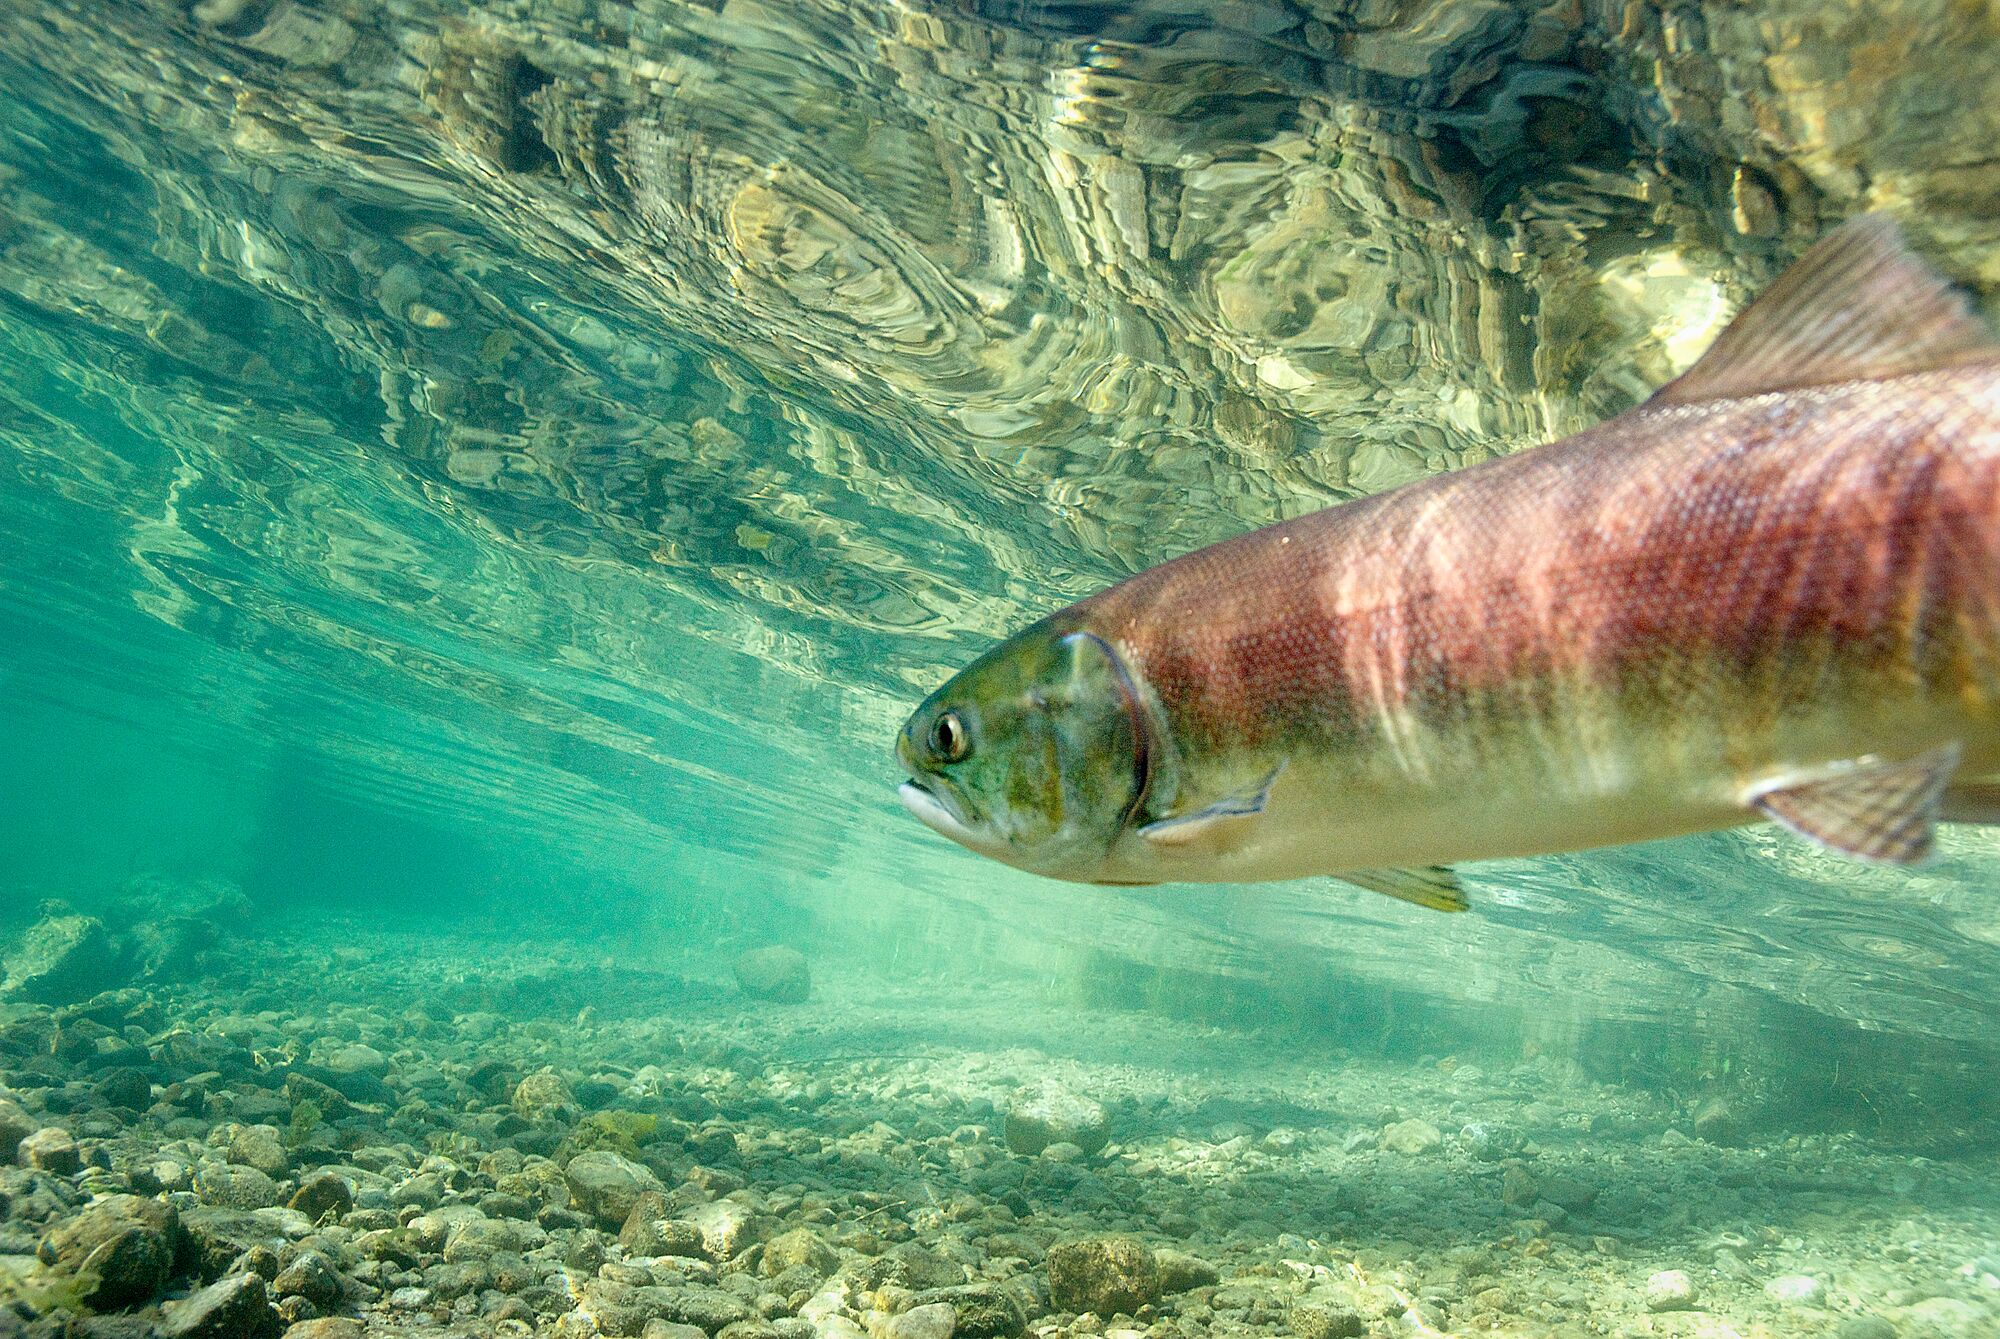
(936, 811)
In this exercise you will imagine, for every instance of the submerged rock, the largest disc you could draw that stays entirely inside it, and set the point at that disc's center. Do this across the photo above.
(801, 1248)
(775, 973)
(1314, 1320)
(1052, 1114)
(323, 1195)
(237, 1307)
(606, 1185)
(61, 960)
(1103, 1274)
(1670, 1290)
(15, 1125)
(50, 1149)
(1411, 1137)
(121, 1250)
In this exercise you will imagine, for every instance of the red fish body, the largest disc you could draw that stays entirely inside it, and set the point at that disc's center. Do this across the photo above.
(1772, 591)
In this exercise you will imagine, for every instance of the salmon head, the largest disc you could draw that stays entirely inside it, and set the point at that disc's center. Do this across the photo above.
(1036, 754)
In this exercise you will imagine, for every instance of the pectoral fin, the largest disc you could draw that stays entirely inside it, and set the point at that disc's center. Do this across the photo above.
(1219, 828)
(1433, 886)
(1880, 812)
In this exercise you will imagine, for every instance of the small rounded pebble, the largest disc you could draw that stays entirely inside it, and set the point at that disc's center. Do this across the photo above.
(1670, 1290)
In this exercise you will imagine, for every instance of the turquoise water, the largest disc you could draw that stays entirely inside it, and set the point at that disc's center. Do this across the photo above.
(507, 475)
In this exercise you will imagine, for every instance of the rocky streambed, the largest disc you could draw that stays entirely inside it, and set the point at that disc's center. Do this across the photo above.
(332, 1131)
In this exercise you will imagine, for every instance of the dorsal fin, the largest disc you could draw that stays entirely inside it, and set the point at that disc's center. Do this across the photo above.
(1858, 305)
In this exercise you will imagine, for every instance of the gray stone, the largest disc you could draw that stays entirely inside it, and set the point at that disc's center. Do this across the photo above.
(726, 1226)
(801, 1248)
(61, 960)
(933, 1321)
(357, 1058)
(544, 1096)
(1797, 1290)
(327, 1327)
(15, 1125)
(49, 1149)
(984, 1310)
(228, 1186)
(1317, 1320)
(1865, 1327)
(1568, 1193)
(606, 1186)
(648, 1231)
(1411, 1137)
(121, 1248)
(472, 1239)
(1670, 1290)
(775, 973)
(657, 1328)
(1052, 1114)
(1102, 1274)
(257, 1146)
(1180, 1271)
(313, 1277)
(237, 1307)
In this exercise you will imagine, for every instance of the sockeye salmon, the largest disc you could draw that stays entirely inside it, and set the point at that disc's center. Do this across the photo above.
(1770, 592)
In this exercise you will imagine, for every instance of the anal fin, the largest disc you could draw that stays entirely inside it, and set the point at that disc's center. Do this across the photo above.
(1883, 813)
(1433, 886)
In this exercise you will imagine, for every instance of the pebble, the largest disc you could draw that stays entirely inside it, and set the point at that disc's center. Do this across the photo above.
(1412, 1137)
(1670, 1290)
(923, 1322)
(1798, 1289)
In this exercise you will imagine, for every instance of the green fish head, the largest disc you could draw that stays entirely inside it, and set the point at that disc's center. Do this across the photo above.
(1036, 754)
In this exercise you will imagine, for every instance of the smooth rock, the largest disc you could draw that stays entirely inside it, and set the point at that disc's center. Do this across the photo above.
(1052, 1114)
(327, 1327)
(1411, 1137)
(1670, 1290)
(801, 1248)
(257, 1146)
(606, 1185)
(933, 1321)
(774, 973)
(1798, 1289)
(726, 1228)
(357, 1058)
(1865, 1327)
(228, 1186)
(313, 1277)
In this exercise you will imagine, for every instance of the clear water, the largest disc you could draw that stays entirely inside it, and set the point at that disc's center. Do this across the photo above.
(516, 469)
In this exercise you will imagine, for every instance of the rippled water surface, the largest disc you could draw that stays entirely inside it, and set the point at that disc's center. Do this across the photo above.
(542, 450)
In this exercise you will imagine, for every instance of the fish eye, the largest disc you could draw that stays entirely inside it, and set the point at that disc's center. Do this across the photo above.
(950, 740)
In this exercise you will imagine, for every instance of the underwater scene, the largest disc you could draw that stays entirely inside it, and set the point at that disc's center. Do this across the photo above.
(537, 802)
